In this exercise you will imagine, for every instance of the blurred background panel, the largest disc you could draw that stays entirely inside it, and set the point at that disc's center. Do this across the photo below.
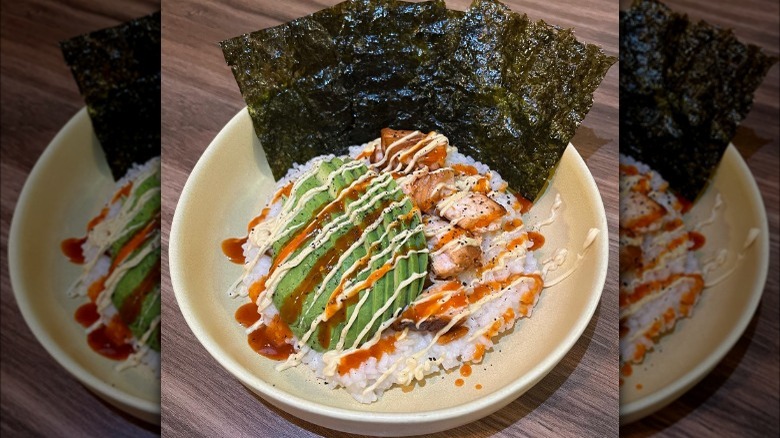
(39, 95)
(740, 397)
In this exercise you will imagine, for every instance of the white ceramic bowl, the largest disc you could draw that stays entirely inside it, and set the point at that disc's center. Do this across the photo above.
(230, 184)
(683, 358)
(65, 189)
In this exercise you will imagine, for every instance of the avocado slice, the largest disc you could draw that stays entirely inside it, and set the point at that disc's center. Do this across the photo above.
(135, 285)
(147, 212)
(150, 309)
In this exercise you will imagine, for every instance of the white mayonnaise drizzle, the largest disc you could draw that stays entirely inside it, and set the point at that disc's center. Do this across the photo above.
(381, 163)
(752, 234)
(714, 262)
(553, 212)
(713, 214)
(143, 347)
(264, 234)
(589, 239)
(349, 217)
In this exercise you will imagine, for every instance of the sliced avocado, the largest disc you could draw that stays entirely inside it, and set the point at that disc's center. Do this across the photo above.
(147, 212)
(127, 291)
(343, 234)
(150, 309)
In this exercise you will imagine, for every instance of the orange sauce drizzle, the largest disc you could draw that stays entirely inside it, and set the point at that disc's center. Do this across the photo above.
(233, 249)
(87, 314)
(686, 204)
(484, 289)
(270, 340)
(257, 219)
(537, 240)
(698, 240)
(464, 169)
(247, 314)
(385, 345)
(650, 287)
(326, 327)
(511, 225)
(423, 310)
(524, 204)
(312, 228)
(101, 342)
(293, 304)
(436, 156)
(452, 334)
(136, 241)
(629, 169)
(97, 219)
(487, 219)
(72, 249)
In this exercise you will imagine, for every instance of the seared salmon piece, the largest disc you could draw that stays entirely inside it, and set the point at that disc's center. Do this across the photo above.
(472, 211)
(408, 150)
(640, 212)
(426, 189)
(452, 249)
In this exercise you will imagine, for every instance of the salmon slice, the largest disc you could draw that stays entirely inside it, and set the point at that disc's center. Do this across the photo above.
(399, 149)
(428, 188)
(389, 136)
(640, 212)
(453, 249)
(630, 258)
(472, 211)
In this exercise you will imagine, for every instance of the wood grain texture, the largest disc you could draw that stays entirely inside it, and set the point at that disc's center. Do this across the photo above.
(578, 398)
(740, 396)
(40, 398)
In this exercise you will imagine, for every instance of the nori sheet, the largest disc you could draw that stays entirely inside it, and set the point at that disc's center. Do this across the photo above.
(507, 91)
(684, 88)
(118, 74)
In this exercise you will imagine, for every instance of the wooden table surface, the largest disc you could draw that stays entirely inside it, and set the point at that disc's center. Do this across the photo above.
(40, 398)
(578, 398)
(740, 396)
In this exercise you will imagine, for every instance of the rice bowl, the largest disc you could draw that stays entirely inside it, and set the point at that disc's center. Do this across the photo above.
(478, 265)
(200, 275)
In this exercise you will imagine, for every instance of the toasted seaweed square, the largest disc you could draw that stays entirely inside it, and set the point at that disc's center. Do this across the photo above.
(508, 91)
(118, 74)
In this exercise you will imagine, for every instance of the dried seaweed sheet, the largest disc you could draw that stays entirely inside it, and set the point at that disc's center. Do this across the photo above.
(118, 73)
(684, 88)
(508, 91)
